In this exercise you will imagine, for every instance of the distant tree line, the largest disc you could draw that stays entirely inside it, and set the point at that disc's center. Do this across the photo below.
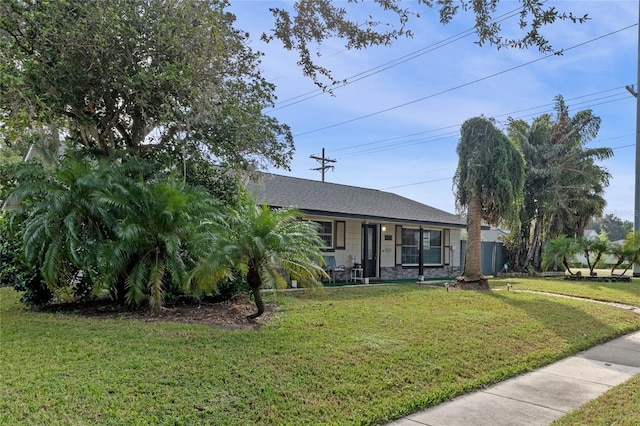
(615, 228)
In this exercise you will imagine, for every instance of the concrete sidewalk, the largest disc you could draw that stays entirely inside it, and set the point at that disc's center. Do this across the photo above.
(541, 396)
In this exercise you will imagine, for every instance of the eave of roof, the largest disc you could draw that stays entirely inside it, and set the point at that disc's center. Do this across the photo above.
(330, 199)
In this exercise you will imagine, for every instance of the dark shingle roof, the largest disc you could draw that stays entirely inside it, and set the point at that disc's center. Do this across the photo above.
(330, 199)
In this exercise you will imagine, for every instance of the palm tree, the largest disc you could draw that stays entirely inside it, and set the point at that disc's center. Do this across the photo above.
(617, 250)
(629, 251)
(488, 184)
(564, 186)
(97, 226)
(558, 250)
(152, 222)
(261, 244)
(14, 270)
(594, 249)
(62, 224)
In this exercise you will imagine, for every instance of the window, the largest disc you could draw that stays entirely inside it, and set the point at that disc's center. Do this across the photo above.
(325, 231)
(431, 247)
(410, 246)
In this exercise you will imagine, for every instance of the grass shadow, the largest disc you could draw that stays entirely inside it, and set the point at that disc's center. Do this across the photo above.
(628, 293)
(567, 319)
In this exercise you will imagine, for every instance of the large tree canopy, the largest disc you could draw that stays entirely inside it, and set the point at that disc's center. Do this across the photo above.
(135, 75)
(310, 22)
(564, 186)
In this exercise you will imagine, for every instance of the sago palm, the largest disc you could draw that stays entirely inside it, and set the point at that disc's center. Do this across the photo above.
(63, 224)
(152, 221)
(594, 250)
(262, 244)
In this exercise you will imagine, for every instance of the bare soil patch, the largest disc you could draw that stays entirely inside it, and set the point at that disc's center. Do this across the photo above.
(229, 314)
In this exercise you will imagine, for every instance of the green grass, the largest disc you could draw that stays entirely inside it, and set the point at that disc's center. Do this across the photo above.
(628, 293)
(362, 355)
(620, 406)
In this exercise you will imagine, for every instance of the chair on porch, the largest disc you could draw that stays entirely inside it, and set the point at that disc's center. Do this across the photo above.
(331, 268)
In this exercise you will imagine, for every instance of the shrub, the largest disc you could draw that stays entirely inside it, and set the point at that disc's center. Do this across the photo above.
(229, 287)
(93, 226)
(14, 270)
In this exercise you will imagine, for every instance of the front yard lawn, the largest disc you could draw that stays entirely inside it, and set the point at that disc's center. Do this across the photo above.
(362, 355)
(628, 293)
(621, 405)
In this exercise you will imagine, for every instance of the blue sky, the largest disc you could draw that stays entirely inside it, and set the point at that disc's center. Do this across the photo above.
(397, 129)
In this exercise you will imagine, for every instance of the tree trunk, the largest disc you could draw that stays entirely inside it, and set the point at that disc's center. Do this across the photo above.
(534, 243)
(257, 297)
(523, 245)
(595, 263)
(565, 263)
(634, 260)
(254, 281)
(472, 278)
(586, 256)
(619, 262)
(119, 291)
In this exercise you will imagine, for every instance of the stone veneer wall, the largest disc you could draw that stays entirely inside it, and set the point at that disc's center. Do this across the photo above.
(400, 273)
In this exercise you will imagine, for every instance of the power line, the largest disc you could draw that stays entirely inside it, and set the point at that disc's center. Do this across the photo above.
(390, 64)
(465, 84)
(623, 146)
(417, 183)
(507, 114)
(456, 126)
(449, 178)
(439, 137)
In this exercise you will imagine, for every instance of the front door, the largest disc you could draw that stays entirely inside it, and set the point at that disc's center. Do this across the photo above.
(370, 250)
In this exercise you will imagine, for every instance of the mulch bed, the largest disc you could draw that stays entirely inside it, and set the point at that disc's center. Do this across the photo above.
(607, 279)
(229, 314)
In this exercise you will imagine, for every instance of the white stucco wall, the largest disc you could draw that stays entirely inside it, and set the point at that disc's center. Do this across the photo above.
(352, 251)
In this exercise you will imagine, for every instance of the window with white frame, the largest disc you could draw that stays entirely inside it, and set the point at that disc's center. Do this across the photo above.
(325, 231)
(410, 247)
(431, 247)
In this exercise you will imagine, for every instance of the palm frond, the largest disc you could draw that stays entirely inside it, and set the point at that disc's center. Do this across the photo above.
(156, 285)
(137, 282)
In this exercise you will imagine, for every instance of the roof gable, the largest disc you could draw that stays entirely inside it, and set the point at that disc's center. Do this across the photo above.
(322, 198)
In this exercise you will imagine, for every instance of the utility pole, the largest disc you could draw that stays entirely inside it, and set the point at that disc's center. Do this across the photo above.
(636, 211)
(325, 163)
